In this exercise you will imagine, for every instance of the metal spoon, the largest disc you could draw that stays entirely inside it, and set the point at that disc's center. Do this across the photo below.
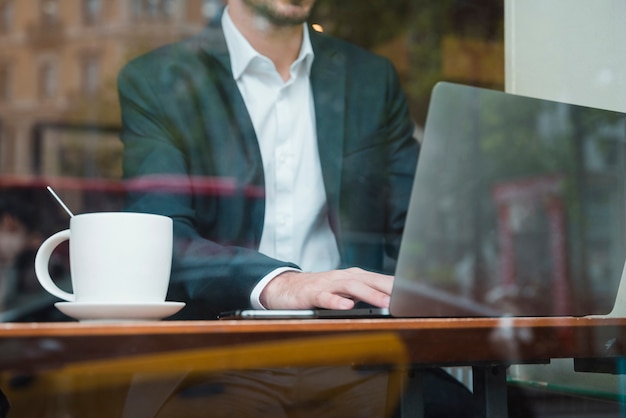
(58, 199)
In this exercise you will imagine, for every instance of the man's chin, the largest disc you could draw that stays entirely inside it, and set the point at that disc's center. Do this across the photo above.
(282, 13)
(290, 16)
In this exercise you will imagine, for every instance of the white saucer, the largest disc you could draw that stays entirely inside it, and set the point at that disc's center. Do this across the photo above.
(115, 312)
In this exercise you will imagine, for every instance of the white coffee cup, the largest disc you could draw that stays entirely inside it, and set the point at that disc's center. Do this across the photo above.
(115, 257)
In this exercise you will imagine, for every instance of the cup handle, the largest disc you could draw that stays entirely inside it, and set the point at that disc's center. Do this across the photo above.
(41, 265)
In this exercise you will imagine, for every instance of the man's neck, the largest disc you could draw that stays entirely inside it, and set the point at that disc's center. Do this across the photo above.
(281, 44)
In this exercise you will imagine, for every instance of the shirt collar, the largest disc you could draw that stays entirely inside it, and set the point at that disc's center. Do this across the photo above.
(242, 53)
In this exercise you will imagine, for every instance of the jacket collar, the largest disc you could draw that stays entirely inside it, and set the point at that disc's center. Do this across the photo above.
(328, 81)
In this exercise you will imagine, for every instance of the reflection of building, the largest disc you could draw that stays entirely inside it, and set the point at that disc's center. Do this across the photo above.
(59, 60)
(519, 199)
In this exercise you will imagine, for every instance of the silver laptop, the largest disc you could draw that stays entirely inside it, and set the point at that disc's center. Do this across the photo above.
(517, 209)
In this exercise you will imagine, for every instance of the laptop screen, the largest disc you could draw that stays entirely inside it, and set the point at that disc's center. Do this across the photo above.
(517, 209)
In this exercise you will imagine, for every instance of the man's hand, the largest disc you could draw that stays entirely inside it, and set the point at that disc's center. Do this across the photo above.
(336, 289)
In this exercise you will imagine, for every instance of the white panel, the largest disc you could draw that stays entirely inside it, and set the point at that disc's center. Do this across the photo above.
(567, 50)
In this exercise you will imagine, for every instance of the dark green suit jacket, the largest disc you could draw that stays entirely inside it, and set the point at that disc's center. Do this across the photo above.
(190, 152)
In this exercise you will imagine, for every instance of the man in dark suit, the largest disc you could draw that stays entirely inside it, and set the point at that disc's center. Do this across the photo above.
(184, 118)
(285, 158)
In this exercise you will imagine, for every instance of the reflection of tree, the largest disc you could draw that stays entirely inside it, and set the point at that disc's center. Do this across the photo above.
(366, 23)
(519, 145)
(369, 23)
(424, 23)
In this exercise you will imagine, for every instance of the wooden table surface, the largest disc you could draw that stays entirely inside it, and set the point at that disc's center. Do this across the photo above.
(425, 341)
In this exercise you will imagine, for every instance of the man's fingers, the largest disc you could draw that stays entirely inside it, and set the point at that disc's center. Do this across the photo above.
(353, 289)
(380, 282)
(329, 300)
(337, 289)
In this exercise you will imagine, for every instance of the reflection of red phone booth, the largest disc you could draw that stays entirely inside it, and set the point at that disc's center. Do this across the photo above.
(547, 192)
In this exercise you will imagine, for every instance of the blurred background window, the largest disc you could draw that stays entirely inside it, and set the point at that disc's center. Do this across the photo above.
(6, 15)
(49, 10)
(47, 80)
(91, 11)
(154, 9)
(5, 81)
(90, 74)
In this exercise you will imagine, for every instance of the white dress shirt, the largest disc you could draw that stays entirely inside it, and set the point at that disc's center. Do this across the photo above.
(295, 227)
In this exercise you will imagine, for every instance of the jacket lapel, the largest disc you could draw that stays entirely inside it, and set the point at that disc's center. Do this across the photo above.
(238, 127)
(214, 44)
(328, 84)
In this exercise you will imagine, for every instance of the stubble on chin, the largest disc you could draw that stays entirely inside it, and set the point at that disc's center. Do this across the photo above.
(270, 12)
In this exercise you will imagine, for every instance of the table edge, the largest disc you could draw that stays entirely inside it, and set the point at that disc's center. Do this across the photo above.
(59, 329)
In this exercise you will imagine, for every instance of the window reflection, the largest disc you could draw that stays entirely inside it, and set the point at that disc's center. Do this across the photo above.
(6, 15)
(91, 11)
(49, 12)
(453, 40)
(523, 216)
(60, 58)
(153, 9)
(90, 74)
(47, 80)
(5, 82)
(79, 71)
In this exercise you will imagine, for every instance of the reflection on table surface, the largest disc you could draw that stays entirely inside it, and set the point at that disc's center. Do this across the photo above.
(84, 368)
(428, 341)
(139, 384)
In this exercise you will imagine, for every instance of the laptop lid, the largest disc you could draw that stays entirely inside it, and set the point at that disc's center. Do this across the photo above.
(517, 209)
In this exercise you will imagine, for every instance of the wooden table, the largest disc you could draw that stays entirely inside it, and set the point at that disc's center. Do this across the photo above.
(488, 345)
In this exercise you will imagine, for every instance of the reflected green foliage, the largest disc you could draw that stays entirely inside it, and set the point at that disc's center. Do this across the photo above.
(424, 23)
(370, 23)
(365, 23)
